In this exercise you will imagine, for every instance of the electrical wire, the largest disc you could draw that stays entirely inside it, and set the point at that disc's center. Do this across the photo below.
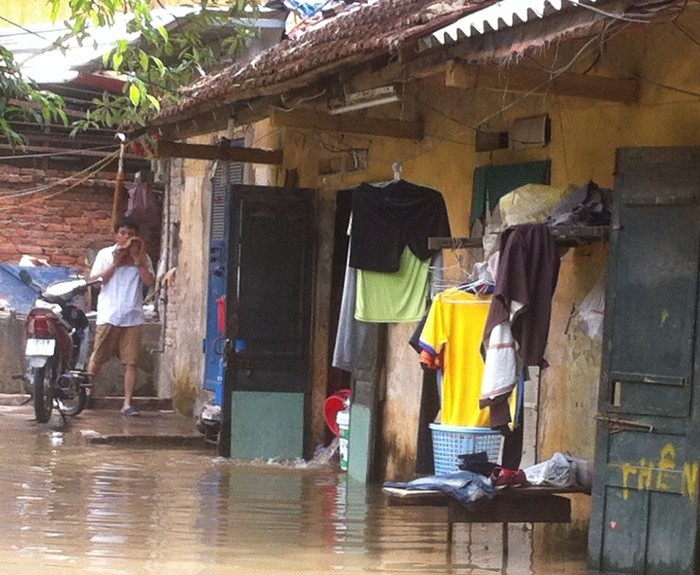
(579, 55)
(76, 152)
(632, 17)
(91, 170)
(54, 43)
(667, 87)
(686, 33)
(295, 105)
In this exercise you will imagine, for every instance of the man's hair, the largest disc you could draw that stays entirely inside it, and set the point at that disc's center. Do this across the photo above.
(126, 222)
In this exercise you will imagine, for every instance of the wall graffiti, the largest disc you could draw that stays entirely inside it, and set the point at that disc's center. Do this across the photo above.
(662, 474)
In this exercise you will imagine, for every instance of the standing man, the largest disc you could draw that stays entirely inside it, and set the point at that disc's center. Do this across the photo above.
(125, 269)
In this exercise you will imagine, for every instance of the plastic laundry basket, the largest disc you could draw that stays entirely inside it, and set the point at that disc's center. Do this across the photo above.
(449, 442)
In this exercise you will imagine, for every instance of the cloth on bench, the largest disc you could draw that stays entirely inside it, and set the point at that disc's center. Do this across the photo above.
(465, 486)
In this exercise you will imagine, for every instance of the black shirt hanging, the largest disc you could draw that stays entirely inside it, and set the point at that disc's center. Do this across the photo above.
(386, 219)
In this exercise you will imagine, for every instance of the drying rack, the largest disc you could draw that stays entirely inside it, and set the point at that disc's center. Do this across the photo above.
(565, 236)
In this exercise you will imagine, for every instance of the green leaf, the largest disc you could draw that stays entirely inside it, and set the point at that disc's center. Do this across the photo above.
(143, 60)
(154, 101)
(163, 32)
(134, 95)
(117, 60)
(54, 10)
(159, 64)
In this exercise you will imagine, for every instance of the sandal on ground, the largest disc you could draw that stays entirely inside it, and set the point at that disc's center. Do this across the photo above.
(130, 411)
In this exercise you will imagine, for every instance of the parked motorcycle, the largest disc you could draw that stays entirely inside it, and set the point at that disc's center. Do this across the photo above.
(57, 347)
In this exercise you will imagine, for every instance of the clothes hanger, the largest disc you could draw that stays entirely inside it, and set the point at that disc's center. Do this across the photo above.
(477, 287)
(397, 169)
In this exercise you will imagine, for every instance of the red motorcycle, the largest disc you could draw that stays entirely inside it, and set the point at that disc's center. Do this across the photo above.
(57, 347)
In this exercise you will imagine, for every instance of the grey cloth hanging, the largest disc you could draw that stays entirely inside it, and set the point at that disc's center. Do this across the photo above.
(357, 342)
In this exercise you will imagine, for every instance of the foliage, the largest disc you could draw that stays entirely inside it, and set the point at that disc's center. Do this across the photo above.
(20, 99)
(154, 66)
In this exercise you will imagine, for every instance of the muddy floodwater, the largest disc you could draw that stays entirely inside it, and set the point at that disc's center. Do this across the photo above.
(67, 507)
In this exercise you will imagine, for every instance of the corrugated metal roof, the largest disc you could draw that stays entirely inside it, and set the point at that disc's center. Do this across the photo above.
(503, 14)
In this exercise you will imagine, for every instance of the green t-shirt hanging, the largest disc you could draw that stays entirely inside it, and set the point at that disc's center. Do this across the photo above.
(393, 297)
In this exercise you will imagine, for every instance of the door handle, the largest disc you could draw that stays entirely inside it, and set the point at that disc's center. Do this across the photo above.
(616, 424)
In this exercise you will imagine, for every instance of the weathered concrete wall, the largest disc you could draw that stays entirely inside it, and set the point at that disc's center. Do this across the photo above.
(182, 300)
(11, 352)
(585, 135)
(110, 380)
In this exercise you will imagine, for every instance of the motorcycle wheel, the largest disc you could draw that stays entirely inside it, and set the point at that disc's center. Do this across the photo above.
(73, 405)
(42, 379)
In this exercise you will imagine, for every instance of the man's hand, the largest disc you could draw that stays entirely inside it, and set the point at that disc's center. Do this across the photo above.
(122, 257)
(132, 253)
(137, 251)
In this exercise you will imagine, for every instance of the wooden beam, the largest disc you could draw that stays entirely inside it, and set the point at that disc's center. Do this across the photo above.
(308, 119)
(521, 79)
(204, 122)
(168, 149)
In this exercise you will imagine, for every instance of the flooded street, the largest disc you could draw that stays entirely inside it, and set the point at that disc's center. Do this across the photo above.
(72, 507)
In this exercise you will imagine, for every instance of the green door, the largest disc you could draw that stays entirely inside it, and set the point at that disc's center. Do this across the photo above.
(645, 496)
(266, 380)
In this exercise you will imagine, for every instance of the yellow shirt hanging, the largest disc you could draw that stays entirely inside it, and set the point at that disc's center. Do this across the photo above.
(455, 326)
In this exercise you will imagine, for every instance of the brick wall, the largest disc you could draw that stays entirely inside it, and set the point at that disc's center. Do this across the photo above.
(61, 220)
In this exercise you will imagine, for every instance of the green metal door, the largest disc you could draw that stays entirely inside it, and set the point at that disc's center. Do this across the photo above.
(645, 496)
(267, 375)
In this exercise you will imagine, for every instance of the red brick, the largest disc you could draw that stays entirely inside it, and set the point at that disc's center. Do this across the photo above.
(58, 228)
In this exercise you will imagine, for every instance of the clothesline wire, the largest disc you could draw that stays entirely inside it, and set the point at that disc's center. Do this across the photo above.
(86, 173)
(77, 152)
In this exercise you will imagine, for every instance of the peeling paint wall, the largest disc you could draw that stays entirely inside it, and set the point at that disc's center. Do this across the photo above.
(187, 238)
(584, 137)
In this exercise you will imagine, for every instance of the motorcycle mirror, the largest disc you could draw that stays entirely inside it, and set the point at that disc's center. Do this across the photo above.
(65, 287)
(25, 277)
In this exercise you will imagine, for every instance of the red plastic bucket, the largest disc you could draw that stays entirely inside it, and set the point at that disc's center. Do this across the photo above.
(332, 406)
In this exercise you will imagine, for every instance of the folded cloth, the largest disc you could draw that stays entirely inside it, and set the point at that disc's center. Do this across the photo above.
(464, 486)
(476, 463)
(478, 457)
(482, 468)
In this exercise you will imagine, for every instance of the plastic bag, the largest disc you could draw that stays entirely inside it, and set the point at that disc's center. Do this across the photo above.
(592, 310)
(582, 470)
(143, 206)
(555, 472)
(529, 204)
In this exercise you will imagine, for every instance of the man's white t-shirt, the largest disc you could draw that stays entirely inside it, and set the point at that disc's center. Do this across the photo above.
(120, 301)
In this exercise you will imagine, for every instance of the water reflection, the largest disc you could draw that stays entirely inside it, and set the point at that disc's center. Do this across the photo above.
(70, 507)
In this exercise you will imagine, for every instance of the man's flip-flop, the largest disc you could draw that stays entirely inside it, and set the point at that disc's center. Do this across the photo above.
(130, 411)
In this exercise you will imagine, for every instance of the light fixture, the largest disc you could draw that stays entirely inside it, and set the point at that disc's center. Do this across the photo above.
(365, 99)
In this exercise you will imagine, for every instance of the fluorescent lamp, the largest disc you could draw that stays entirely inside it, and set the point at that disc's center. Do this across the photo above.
(362, 100)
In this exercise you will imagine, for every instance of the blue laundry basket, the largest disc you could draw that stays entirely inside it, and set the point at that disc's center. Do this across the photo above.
(449, 442)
